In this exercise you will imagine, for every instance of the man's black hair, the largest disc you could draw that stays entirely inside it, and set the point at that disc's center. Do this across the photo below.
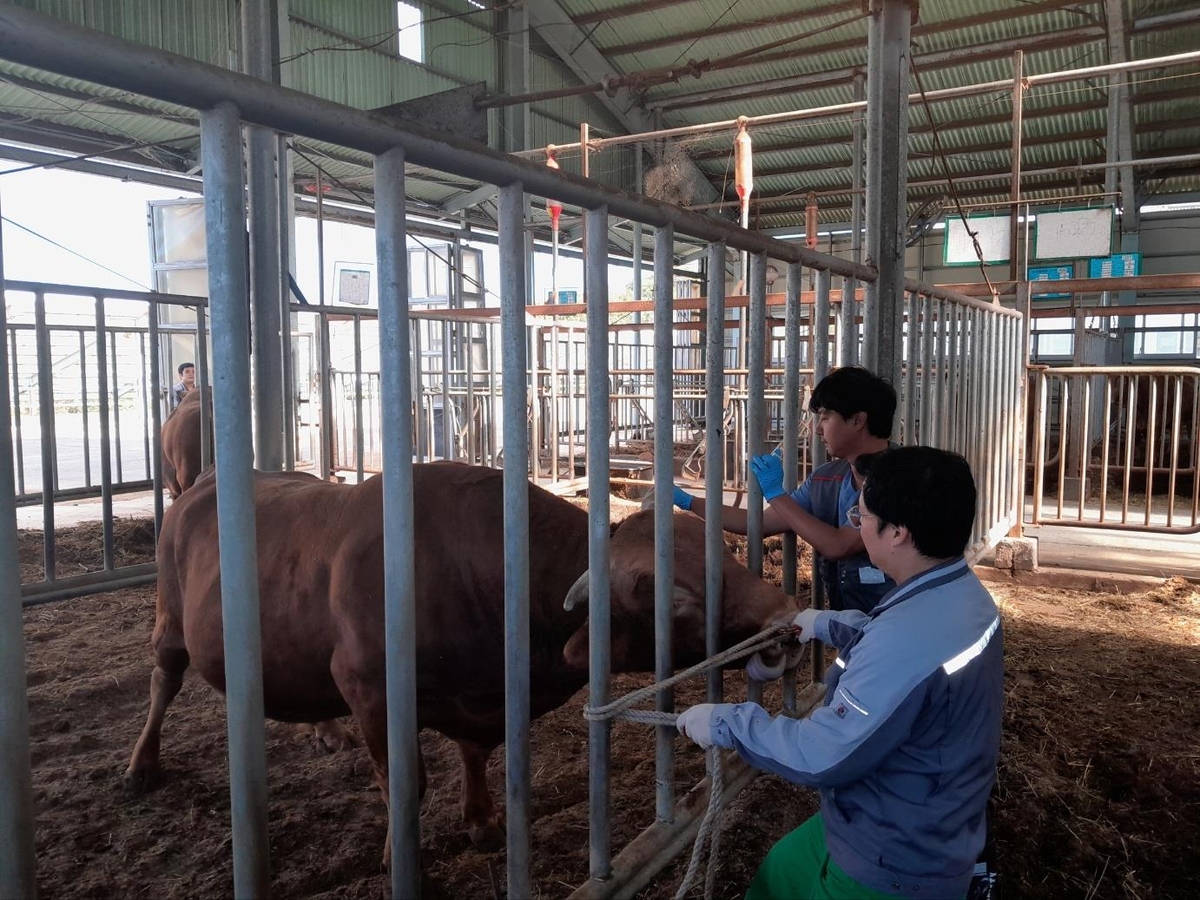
(185, 365)
(930, 492)
(852, 389)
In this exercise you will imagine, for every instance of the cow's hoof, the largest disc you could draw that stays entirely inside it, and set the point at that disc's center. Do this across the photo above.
(489, 836)
(333, 736)
(141, 780)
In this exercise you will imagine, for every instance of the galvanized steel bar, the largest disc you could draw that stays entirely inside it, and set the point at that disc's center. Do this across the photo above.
(418, 392)
(820, 360)
(447, 418)
(664, 518)
(399, 528)
(599, 733)
(820, 327)
(203, 385)
(18, 876)
(47, 443)
(106, 483)
(83, 402)
(791, 416)
(145, 398)
(155, 413)
(359, 428)
(116, 407)
(908, 315)
(756, 418)
(926, 366)
(1151, 417)
(714, 462)
(513, 298)
(225, 215)
(19, 446)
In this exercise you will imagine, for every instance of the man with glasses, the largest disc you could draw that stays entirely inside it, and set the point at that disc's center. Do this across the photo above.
(853, 411)
(904, 750)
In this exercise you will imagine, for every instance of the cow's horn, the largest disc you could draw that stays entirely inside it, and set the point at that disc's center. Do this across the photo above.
(578, 592)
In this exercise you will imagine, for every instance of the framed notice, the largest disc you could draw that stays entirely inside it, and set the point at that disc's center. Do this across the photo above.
(994, 233)
(1049, 273)
(1074, 233)
(1119, 265)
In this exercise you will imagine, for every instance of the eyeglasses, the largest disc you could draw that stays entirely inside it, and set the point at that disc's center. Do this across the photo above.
(855, 515)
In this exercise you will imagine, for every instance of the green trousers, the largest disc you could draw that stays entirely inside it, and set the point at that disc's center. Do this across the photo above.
(798, 867)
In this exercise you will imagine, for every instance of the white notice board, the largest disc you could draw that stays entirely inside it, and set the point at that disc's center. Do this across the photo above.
(1074, 233)
(994, 234)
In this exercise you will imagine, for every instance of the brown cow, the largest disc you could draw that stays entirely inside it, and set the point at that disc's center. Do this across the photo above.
(320, 552)
(181, 444)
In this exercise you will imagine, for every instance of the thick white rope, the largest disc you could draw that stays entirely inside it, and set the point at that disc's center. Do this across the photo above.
(710, 825)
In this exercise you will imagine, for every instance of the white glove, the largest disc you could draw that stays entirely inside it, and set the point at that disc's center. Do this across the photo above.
(758, 669)
(807, 620)
(695, 723)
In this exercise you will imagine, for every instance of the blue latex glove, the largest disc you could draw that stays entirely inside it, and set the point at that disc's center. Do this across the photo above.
(768, 469)
(682, 499)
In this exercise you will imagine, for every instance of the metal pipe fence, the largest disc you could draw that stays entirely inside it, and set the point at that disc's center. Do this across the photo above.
(1115, 447)
(980, 332)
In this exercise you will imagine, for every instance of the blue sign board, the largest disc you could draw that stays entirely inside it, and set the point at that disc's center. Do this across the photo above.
(1050, 273)
(1119, 265)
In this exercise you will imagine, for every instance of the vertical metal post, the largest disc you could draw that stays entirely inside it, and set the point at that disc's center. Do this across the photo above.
(19, 447)
(106, 497)
(145, 398)
(791, 412)
(848, 323)
(116, 407)
(926, 409)
(287, 252)
(203, 386)
(664, 517)
(83, 402)
(599, 733)
(1015, 270)
(714, 462)
(155, 414)
(447, 419)
(45, 370)
(756, 412)
(17, 861)
(820, 326)
(225, 215)
(908, 312)
(513, 298)
(359, 449)
(400, 593)
(888, 35)
(258, 55)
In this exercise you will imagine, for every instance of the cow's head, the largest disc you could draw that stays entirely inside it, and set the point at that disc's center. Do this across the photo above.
(748, 604)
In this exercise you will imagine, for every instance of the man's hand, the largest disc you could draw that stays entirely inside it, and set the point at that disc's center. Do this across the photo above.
(695, 723)
(682, 499)
(768, 469)
(807, 620)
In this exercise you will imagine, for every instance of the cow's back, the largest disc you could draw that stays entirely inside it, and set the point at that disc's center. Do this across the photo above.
(181, 444)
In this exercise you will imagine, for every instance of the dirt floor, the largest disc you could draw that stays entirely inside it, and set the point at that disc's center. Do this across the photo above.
(1098, 794)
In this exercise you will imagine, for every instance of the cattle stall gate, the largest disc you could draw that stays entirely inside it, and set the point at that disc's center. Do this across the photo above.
(960, 389)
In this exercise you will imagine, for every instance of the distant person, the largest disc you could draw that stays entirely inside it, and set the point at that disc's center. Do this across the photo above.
(853, 409)
(185, 385)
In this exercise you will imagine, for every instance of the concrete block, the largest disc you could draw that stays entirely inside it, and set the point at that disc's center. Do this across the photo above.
(1017, 554)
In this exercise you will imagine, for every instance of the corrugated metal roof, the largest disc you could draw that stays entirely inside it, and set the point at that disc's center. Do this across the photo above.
(956, 42)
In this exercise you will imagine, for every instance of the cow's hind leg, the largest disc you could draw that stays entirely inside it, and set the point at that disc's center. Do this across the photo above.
(171, 656)
(485, 826)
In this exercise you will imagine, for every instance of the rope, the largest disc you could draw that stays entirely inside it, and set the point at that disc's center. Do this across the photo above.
(710, 825)
(618, 708)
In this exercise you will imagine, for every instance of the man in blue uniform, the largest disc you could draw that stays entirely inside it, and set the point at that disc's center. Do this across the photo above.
(904, 750)
(854, 410)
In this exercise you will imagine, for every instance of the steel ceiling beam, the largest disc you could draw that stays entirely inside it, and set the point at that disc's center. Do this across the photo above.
(575, 48)
(628, 9)
(761, 148)
(996, 16)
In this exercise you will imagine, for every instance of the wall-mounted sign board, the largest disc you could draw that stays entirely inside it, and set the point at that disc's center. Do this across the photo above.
(1072, 233)
(992, 231)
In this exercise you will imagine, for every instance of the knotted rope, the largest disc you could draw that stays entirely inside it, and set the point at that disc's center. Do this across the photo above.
(710, 825)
